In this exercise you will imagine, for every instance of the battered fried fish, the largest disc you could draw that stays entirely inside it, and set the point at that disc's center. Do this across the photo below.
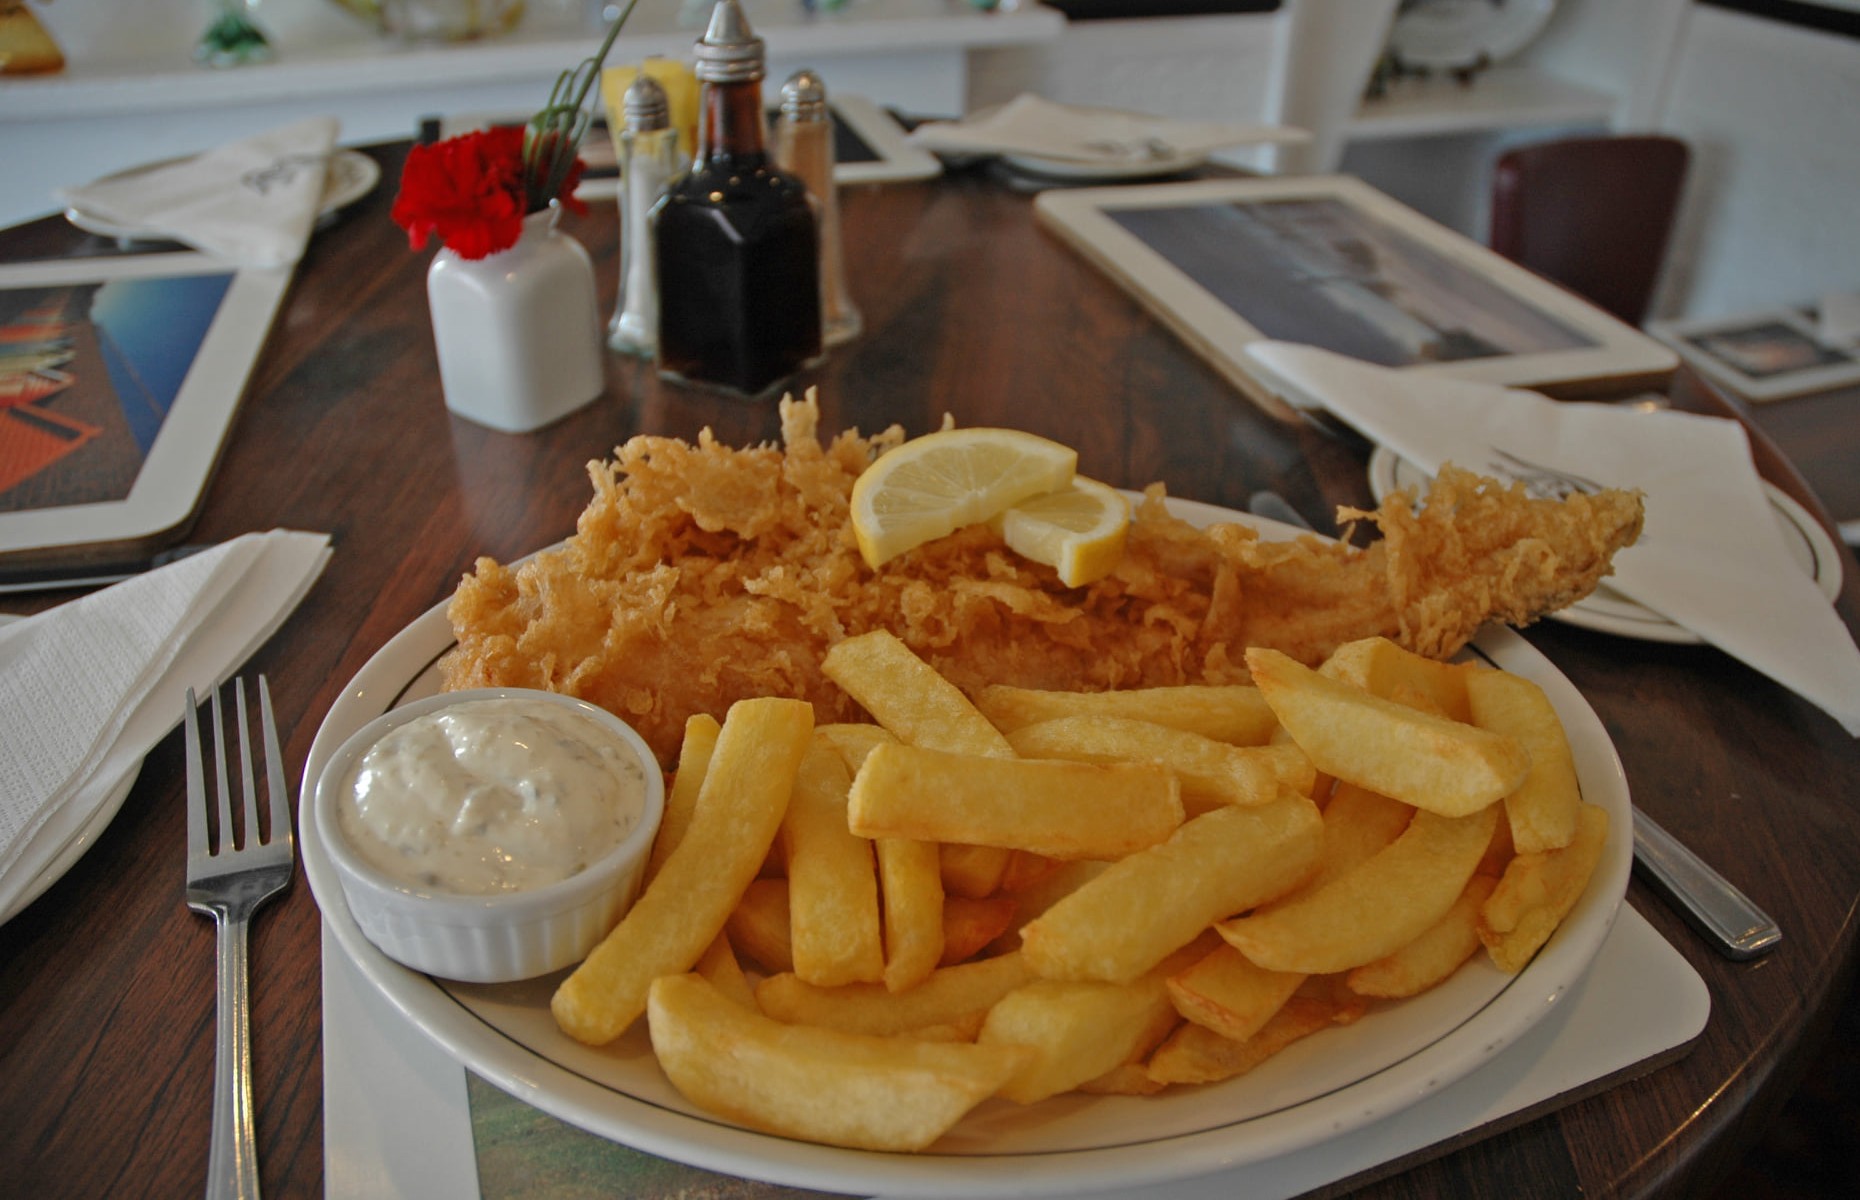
(701, 574)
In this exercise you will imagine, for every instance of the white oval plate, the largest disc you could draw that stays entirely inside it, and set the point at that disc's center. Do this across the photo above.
(1608, 611)
(1320, 1088)
(351, 176)
(1451, 34)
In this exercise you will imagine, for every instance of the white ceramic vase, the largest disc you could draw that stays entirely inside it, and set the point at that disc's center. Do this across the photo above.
(518, 332)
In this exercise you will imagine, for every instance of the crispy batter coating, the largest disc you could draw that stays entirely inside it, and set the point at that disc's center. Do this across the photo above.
(700, 574)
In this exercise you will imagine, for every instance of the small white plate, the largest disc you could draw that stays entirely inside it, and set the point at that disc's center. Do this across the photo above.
(1608, 611)
(1078, 170)
(351, 176)
(68, 837)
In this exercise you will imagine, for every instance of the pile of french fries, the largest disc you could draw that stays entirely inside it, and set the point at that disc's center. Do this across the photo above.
(853, 934)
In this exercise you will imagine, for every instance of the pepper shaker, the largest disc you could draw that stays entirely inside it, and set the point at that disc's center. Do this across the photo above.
(804, 147)
(648, 164)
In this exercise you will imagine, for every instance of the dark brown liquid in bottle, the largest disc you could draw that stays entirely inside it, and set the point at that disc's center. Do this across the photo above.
(738, 257)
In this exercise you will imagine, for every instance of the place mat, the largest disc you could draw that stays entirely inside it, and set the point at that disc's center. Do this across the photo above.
(402, 1118)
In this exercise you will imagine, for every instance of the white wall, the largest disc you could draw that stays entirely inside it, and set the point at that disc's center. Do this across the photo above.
(1772, 112)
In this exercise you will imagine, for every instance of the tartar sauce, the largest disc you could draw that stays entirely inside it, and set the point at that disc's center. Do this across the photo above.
(492, 796)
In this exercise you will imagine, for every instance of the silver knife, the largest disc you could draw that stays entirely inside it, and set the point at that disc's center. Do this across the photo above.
(44, 579)
(1708, 901)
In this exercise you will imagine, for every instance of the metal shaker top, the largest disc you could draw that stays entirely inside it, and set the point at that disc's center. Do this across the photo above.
(645, 105)
(729, 51)
(804, 97)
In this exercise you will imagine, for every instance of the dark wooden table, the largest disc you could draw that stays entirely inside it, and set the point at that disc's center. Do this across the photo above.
(106, 1004)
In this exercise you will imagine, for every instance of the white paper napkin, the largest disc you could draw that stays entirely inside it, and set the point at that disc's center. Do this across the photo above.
(1709, 558)
(252, 201)
(1033, 126)
(87, 688)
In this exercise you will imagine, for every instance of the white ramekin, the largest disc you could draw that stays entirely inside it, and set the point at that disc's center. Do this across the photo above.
(488, 939)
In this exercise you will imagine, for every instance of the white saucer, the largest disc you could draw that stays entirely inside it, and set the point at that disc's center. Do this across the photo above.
(1608, 611)
(351, 176)
(1082, 171)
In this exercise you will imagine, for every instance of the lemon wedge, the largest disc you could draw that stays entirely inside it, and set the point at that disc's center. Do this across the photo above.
(1079, 531)
(935, 484)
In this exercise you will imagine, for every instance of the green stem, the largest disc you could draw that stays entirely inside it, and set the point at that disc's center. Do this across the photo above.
(554, 134)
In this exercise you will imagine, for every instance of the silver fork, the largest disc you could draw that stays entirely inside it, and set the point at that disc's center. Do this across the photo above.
(229, 883)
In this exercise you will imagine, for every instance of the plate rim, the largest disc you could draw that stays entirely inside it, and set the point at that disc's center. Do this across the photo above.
(716, 1145)
(1637, 621)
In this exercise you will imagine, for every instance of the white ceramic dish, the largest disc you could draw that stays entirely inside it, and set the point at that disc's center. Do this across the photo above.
(496, 938)
(1077, 171)
(64, 839)
(1321, 1088)
(352, 175)
(1608, 611)
(1453, 34)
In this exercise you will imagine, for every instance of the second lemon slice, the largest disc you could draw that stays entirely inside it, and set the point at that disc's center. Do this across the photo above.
(1079, 531)
(936, 484)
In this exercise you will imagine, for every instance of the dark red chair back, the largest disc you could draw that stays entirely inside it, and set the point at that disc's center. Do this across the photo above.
(1594, 214)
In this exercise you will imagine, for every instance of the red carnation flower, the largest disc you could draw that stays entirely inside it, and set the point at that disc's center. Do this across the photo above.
(467, 189)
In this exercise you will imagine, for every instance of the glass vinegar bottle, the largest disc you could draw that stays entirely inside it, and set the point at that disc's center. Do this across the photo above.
(736, 239)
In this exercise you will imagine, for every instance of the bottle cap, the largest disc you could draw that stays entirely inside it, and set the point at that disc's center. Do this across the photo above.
(645, 106)
(729, 51)
(804, 97)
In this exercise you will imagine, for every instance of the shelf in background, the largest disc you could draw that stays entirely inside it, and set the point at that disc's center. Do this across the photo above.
(1497, 99)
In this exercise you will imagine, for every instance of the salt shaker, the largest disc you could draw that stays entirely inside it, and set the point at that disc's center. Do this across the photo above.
(648, 163)
(804, 147)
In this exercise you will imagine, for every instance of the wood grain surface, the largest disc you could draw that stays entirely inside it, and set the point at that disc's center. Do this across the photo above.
(106, 1001)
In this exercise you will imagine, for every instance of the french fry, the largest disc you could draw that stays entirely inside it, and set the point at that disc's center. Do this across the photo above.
(818, 1084)
(969, 926)
(1060, 809)
(1358, 824)
(947, 995)
(1369, 912)
(907, 696)
(910, 888)
(833, 916)
(1226, 992)
(853, 740)
(1444, 766)
(1079, 1030)
(1210, 772)
(1233, 713)
(973, 871)
(1433, 956)
(1142, 908)
(1026, 869)
(1031, 901)
(718, 964)
(681, 798)
(1542, 811)
(1130, 1078)
(739, 810)
(758, 926)
(1538, 890)
(1196, 1054)
(1382, 668)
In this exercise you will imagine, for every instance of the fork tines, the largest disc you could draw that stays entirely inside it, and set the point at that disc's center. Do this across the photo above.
(200, 842)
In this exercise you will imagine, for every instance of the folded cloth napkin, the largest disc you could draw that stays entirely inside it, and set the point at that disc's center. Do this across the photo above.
(252, 201)
(87, 688)
(1709, 557)
(1032, 126)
